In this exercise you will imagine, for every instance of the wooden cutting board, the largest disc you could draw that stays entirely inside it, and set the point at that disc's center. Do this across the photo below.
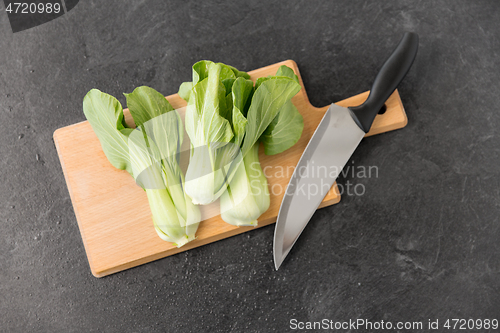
(113, 212)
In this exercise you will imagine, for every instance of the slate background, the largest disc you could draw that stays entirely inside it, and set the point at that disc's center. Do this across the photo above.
(422, 243)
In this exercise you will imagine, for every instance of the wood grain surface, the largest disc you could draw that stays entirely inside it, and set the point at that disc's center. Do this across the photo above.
(113, 213)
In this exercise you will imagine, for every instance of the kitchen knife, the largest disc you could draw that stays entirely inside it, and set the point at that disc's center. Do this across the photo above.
(332, 144)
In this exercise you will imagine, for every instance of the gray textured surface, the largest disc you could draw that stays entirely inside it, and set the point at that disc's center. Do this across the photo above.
(422, 243)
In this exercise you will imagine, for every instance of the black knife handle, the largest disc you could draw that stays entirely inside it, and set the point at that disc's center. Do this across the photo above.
(388, 78)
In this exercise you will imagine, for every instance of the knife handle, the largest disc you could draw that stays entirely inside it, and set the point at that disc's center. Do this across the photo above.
(388, 78)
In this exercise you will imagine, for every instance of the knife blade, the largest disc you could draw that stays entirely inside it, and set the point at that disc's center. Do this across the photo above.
(332, 144)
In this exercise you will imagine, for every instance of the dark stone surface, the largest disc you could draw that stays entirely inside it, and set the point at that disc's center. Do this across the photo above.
(422, 243)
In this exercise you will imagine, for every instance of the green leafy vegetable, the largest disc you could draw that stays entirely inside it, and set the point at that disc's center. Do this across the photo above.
(210, 130)
(224, 160)
(247, 195)
(149, 153)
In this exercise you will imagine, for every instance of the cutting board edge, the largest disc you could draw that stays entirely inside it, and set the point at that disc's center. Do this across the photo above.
(68, 185)
(215, 238)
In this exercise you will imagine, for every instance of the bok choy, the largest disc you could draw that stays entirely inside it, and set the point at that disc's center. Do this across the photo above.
(150, 153)
(214, 127)
(226, 119)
